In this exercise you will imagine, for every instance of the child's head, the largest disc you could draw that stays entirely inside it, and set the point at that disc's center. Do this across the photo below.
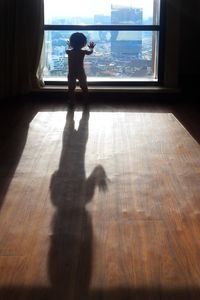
(78, 40)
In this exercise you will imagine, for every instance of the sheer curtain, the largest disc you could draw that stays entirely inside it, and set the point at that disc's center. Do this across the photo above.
(21, 38)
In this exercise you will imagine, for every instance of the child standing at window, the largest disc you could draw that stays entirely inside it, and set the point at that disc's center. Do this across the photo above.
(76, 56)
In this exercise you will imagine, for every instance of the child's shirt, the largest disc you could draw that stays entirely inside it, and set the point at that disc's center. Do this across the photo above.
(75, 60)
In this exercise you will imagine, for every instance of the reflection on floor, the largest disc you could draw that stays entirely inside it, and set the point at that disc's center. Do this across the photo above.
(99, 203)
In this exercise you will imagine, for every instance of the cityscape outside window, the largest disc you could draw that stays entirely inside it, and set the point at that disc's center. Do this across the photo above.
(126, 38)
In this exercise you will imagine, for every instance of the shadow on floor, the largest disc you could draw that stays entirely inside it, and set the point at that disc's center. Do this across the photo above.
(14, 125)
(21, 293)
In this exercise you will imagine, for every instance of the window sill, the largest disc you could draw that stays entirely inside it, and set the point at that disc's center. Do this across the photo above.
(112, 89)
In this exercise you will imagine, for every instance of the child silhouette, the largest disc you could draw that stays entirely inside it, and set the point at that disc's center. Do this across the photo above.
(76, 56)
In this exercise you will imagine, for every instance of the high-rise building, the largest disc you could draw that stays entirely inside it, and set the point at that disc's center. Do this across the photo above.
(126, 15)
(126, 42)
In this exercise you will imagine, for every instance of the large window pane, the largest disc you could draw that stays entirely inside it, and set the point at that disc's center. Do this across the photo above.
(118, 55)
(102, 12)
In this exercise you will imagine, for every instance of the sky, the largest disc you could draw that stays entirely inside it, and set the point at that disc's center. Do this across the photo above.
(64, 8)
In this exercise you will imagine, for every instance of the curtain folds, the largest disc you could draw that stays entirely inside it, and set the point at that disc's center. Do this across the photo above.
(21, 36)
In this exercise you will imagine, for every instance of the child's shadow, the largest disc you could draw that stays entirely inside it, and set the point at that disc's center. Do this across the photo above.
(70, 254)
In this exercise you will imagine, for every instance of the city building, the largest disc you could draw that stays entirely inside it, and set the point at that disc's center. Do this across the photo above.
(126, 42)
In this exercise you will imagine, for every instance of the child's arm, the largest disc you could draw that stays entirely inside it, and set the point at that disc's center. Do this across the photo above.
(91, 46)
(69, 47)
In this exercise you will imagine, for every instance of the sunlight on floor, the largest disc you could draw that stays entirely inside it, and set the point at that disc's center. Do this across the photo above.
(109, 134)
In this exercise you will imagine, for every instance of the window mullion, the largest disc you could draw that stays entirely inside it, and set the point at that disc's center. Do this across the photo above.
(104, 27)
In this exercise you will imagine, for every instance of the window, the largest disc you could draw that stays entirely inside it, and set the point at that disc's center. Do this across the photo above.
(127, 36)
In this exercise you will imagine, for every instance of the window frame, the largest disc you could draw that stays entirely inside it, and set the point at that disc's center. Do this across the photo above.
(153, 28)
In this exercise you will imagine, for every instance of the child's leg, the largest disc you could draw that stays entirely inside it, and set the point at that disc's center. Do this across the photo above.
(71, 87)
(83, 84)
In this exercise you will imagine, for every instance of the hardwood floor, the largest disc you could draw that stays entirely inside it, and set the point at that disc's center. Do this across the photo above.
(100, 202)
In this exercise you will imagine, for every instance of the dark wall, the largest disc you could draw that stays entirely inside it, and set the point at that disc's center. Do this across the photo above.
(189, 48)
